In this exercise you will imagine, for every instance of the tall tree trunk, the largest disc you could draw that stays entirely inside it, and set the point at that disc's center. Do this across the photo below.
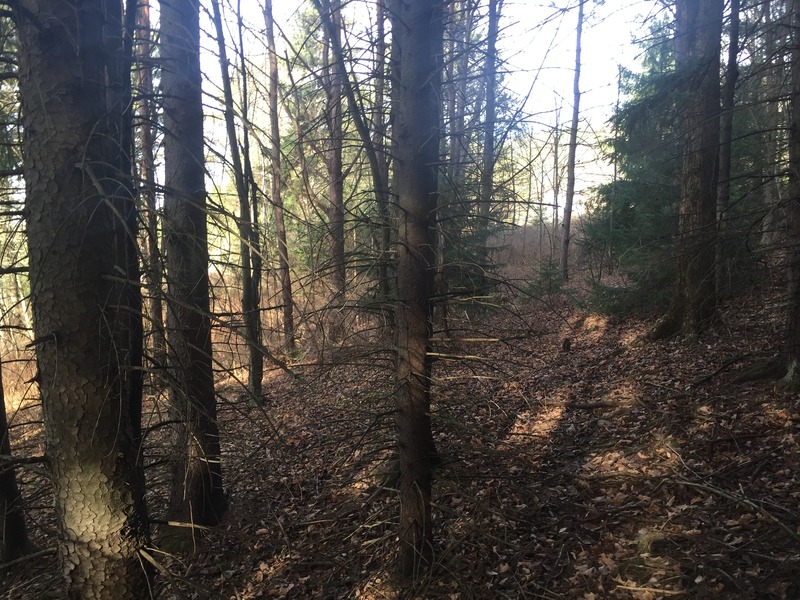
(197, 492)
(373, 141)
(490, 85)
(84, 288)
(147, 182)
(725, 147)
(417, 31)
(554, 240)
(333, 116)
(250, 309)
(771, 82)
(379, 124)
(697, 50)
(13, 533)
(573, 148)
(792, 341)
(256, 349)
(287, 297)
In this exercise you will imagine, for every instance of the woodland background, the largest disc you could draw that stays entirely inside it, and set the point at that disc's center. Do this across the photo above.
(302, 308)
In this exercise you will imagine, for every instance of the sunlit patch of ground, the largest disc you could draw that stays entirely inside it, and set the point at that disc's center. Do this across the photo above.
(609, 471)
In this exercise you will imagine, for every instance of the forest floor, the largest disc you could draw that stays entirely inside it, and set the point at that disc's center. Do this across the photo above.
(612, 470)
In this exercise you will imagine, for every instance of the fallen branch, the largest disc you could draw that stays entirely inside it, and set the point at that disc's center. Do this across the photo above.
(742, 502)
(27, 557)
(700, 381)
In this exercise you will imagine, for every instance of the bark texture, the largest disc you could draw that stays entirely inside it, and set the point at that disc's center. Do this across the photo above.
(792, 343)
(697, 56)
(197, 492)
(417, 50)
(84, 290)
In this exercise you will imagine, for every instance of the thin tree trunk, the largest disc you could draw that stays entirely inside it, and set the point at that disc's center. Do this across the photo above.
(13, 533)
(725, 147)
(74, 82)
(197, 492)
(374, 146)
(333, 116)
(490, 85)
(257, 351)
(379, 146)
(573, 148)
(250, 309)
(276, 184)
(554, 240)
(147, 182)
(417, 32)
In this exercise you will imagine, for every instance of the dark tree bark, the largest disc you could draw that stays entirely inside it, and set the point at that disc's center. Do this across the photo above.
(257, 349)
(379, 127)
(84, 287)
(417, 30)
(792, 341)
(333, 117)
(725, 149)
(13, 533)
(573, 148)
(287, 297)
(490, 86)
(242, 178)
(554, 241)
(146, 120)
(197, 492)
(374, 142)
(697, 57)
(460, 16)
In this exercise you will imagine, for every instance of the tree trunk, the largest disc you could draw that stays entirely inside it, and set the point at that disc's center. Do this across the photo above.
(333, 117)
(287, 298)
(697, 49)
(147, 183)
(573, 148)
(253, 321)
(554, 241)
(490, 85)
(197, 492)
(84, 288)
(379, 123)
(373, 142)
(250, 308)
(725, 147)
(13, 534)
(417, 48)
(792, 341)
